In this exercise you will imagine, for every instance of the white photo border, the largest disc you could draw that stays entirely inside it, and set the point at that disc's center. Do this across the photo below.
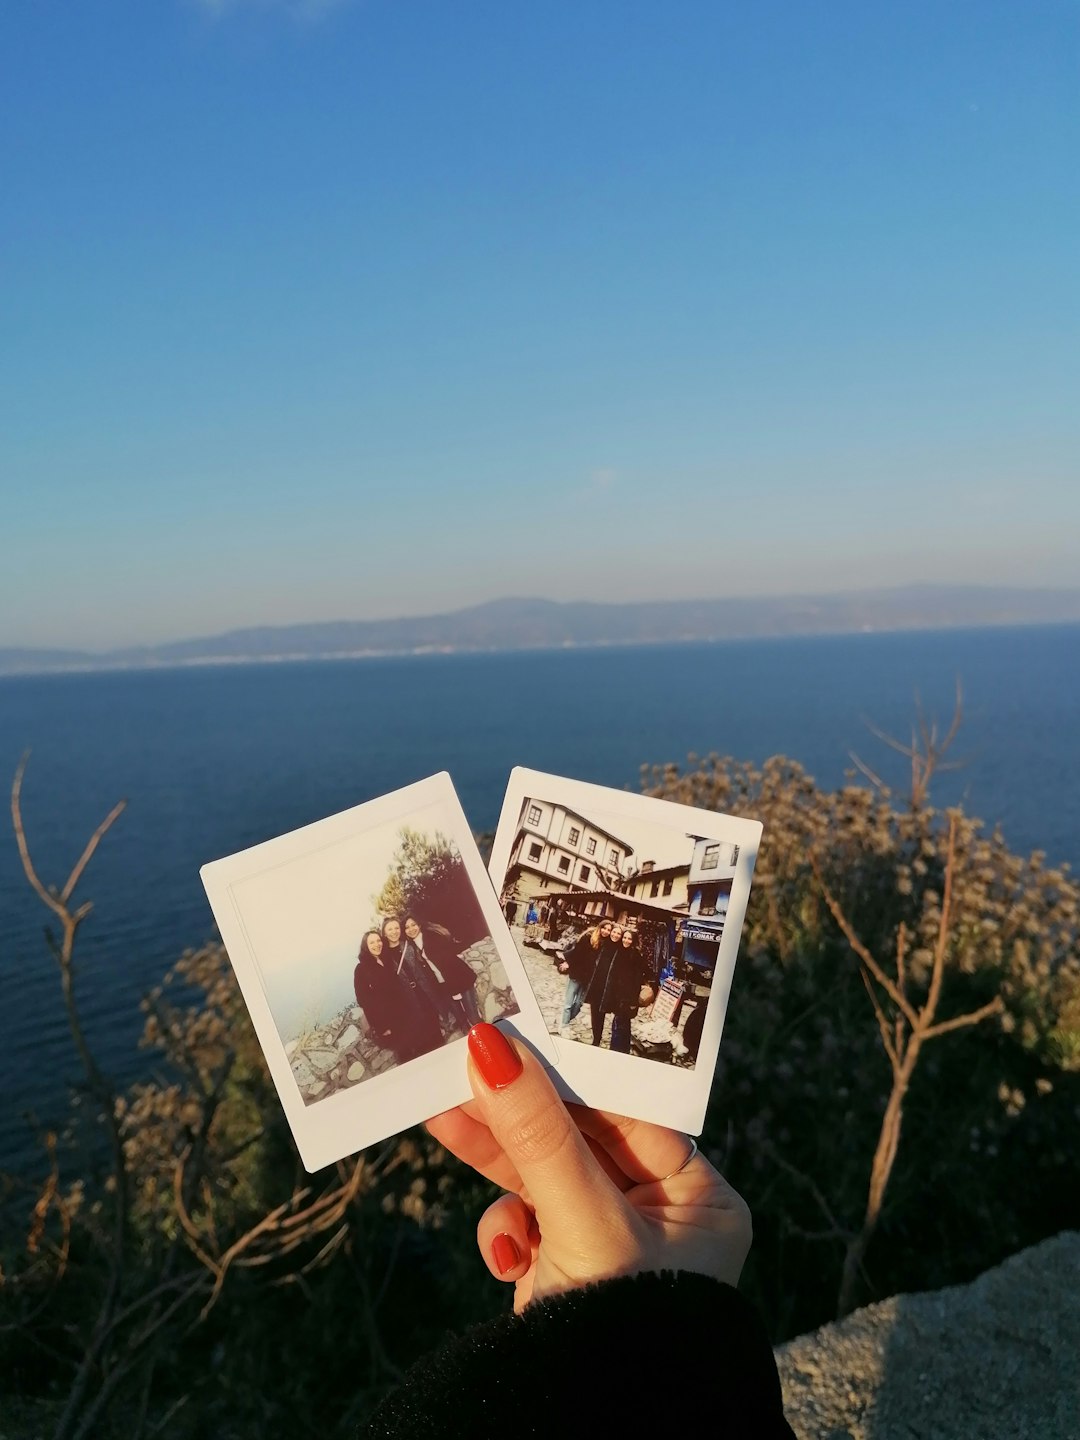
(633, 1085)
(385, 1104)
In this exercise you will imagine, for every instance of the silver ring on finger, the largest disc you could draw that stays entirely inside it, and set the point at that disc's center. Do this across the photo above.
(680, 1168)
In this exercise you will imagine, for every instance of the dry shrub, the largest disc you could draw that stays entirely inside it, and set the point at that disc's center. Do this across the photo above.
(804, 1079)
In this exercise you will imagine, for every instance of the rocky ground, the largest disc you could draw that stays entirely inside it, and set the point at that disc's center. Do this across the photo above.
(342, 1052)
(998, 1359)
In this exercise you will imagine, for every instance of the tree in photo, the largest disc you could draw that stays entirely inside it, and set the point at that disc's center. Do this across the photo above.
(428, 877)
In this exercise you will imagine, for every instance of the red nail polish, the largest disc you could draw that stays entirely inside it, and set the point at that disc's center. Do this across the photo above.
(505, 1253)
(496, 1059)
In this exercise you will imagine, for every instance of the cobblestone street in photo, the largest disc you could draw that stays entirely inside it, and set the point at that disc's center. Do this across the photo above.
(652, 1039)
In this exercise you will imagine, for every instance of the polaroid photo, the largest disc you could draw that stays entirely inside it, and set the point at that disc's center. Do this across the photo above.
(365, 946)
(626, 912)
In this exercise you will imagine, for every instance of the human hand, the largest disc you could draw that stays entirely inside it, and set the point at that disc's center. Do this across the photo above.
(590, 1194)
(645, 995)
(564, 968)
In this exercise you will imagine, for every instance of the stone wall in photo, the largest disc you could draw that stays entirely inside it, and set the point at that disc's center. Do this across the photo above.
(342, 1051)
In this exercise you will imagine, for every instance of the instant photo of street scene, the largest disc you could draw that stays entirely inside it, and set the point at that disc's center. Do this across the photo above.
(618, 922)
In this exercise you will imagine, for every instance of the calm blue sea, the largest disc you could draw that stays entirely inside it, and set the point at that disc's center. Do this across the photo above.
(214, 759)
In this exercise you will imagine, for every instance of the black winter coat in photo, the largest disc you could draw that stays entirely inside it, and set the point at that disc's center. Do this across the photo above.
(391, 1004)
(458, 975)
(582, 959)
(617, 981)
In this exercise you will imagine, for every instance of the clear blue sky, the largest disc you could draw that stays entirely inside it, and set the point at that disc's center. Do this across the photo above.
(317, 310)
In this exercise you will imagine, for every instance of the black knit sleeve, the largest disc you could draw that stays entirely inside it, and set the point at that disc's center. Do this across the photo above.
(572, 1365)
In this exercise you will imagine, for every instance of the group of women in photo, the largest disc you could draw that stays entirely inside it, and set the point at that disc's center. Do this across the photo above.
(413, 986)
(607, 968)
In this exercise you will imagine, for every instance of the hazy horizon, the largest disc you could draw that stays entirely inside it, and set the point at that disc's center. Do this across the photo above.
(915, 590)
(69, 632)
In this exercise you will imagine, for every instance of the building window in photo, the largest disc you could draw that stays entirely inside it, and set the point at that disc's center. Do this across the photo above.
(655, 889)
(575, 835)
(709, 895)
(615, 858)
(711, 859)
(590, 845)
(535, 851)
(668, 884)
(584, 873)
(534, 814)
(564, 864)
(734, 854)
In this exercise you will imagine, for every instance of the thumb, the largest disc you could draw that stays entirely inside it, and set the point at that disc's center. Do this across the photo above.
(580, 1211)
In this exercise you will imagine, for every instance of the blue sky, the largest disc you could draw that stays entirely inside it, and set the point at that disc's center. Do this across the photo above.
(315, 310)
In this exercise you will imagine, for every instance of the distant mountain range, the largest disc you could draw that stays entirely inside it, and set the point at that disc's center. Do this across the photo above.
(521, 624)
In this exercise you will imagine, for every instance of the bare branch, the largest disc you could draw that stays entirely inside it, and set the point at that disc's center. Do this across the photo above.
(957, 719)
(169, 1413)
(84, 859)
(78, 1414)
(179, 1282)
(798, 1230)
(803, 1179)
(898, 745)
(943, 765)
(279, 1230)
(927, 732)
(43, 894)
(927, 749)
(926, 1014)
(125, 1363)
(871, 775)
(883, 1024)
(332, 1245)
(895, 995)
(992, 1007)
(186, 1223)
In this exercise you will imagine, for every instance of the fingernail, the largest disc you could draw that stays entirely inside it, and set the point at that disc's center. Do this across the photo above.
(496, 1059)
(505, 1253)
